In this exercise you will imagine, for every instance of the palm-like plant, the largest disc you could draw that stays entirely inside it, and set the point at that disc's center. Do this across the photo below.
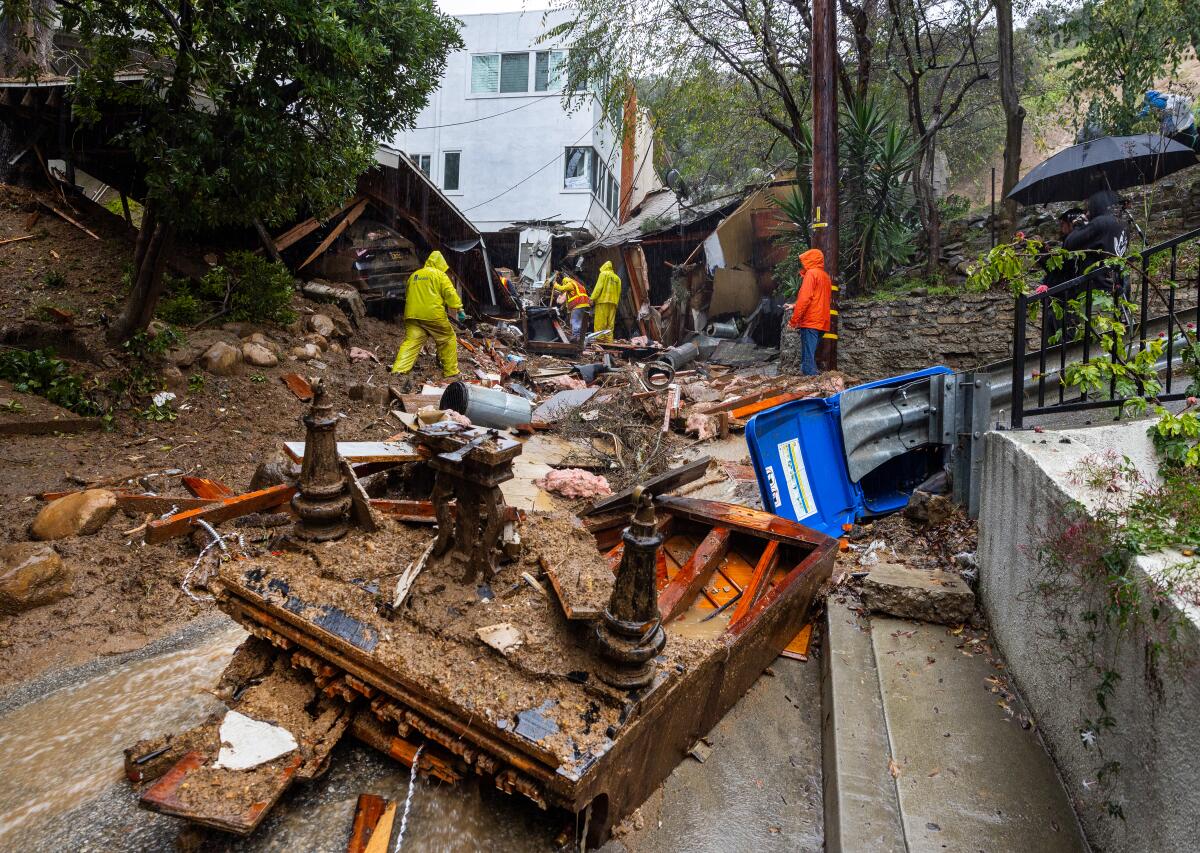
(878, 210)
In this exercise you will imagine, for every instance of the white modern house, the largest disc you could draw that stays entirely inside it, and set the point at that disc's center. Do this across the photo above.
(497, 140)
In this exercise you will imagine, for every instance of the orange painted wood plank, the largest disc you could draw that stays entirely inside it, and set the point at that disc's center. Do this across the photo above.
(797, 649)
(366, 815)
(692, 577)
(203, 487)
(183, 522)
(769, 403)
(762, 573)
(298, 385)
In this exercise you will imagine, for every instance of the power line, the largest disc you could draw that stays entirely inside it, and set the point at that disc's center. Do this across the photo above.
(528, 103)
(556, 158)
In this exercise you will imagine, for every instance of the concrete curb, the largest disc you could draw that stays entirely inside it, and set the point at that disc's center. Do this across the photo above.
(862, 809)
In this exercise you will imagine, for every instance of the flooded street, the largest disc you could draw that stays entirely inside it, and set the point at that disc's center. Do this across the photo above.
(63, 786)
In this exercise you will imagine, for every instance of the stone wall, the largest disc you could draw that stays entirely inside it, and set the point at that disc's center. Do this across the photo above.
(880, 338)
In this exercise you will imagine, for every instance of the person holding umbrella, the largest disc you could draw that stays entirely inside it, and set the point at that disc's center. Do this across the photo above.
(1104, 236)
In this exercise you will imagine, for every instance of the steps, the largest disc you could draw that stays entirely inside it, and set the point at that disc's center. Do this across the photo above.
(918, 754)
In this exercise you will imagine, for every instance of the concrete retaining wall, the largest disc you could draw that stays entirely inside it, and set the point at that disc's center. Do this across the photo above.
(1026, 484)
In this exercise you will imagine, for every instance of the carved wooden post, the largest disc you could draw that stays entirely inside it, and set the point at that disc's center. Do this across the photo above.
(630, 632)
(322, 501)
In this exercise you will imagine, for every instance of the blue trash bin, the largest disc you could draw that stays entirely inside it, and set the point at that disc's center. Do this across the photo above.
(800, 462)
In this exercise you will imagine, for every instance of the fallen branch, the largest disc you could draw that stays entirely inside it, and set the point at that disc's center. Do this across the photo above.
(64, 216)
(17, 239)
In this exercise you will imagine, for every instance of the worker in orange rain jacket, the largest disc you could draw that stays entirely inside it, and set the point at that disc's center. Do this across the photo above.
(430, 295)
(811, 313)
(606, 294)
(578, 303)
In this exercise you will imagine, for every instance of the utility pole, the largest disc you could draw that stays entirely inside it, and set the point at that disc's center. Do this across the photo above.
(825, 159)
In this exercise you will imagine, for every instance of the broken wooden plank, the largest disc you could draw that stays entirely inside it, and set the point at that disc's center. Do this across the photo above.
(164, 796)
(184, 522)
(692, 576)
(381, 838)
(67, 218)
(409, 575)
(363, 451)
(420, 512)
(298, 385)
(758, 582)
(366, 817)
(573, 612)
(770, 390)
(202, 487)
(360, 505)
(767, 403)
(655, 486)
(157, 504)
(346, 222)
(797, 649)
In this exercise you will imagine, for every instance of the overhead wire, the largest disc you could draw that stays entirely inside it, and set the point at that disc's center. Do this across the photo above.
(528, 103)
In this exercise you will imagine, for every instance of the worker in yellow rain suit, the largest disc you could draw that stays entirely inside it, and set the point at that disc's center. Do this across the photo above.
(605, 296)
(430, 295)
(576, 298)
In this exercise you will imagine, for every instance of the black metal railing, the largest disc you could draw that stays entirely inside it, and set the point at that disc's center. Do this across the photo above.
(1158, 315)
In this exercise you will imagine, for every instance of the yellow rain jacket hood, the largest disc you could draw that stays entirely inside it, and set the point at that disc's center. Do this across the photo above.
(430, 291)
(608, 286)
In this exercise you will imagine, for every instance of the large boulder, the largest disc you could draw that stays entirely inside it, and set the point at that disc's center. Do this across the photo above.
(258, 355)
(31, 574)
(197, 344)
(223, 359)
(79, 514)
(276, 470)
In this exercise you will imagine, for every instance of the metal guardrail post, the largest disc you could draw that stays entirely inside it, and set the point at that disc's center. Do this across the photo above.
(1020, 314)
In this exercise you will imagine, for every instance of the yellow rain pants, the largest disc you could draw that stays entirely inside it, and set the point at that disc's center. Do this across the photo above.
(415, 332)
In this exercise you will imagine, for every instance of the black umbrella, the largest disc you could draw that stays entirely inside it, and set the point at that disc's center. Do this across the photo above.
(1107, 163)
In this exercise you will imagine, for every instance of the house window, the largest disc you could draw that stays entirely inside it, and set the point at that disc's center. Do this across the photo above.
(577, 175)
(485, 73)
(422, 162)
(548, 70)
(514, 72)
(503, 73)
(450, 167)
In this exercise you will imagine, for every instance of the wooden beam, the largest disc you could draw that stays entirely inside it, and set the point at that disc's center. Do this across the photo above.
(758, 581)
(267, 243)
(74, 222)
(346, 222)
(694, 574)
(184, 522)
(296, 233)
(728, 405)
(381, 838)
(664, 482)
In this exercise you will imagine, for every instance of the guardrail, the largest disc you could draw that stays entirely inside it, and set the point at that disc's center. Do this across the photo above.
(1053, 358)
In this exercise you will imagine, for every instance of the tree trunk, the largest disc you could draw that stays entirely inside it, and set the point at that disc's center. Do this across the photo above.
(149, 263)
(1014, 113)
(26, 36)
(931, 220)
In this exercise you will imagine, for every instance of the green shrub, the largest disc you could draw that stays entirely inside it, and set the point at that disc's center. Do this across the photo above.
(55, 280)
(260, 291)
(182, 309)
(39, 372)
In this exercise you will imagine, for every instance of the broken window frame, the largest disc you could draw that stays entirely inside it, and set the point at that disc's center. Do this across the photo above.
(580, 157)
(446, 171)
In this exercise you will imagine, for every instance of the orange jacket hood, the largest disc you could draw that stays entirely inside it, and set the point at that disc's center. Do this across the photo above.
(812, 259)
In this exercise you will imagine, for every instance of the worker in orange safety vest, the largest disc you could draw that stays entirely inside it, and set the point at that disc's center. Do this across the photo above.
(578, 303)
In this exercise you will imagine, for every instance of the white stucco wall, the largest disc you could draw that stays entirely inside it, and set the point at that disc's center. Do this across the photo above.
(511, 166)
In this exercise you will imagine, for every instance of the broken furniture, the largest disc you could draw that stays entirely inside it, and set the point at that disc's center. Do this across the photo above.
(471, 463)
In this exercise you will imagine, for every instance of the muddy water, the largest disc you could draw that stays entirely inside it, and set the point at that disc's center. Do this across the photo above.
(59, 749)
(62, 786)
